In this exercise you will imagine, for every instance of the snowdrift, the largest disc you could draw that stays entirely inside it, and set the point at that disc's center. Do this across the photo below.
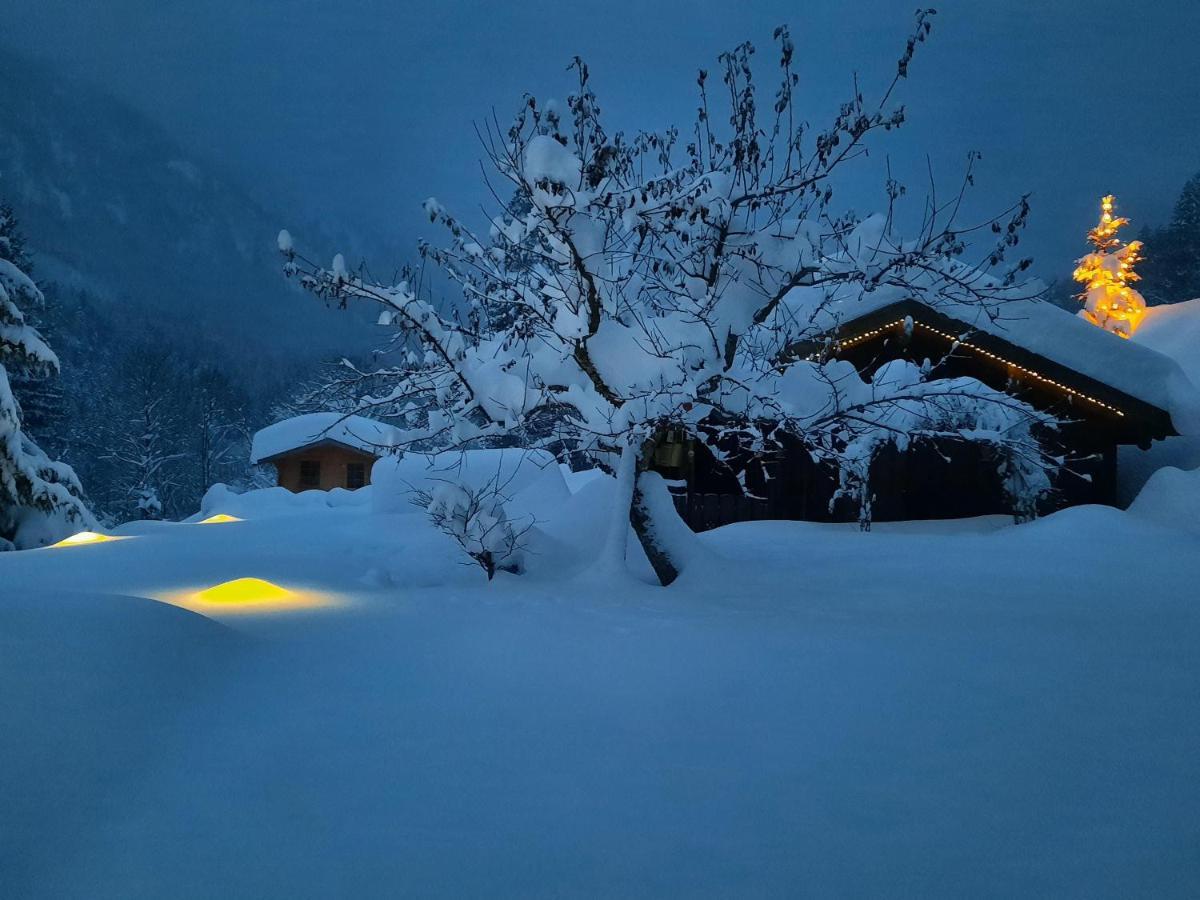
(805, 697)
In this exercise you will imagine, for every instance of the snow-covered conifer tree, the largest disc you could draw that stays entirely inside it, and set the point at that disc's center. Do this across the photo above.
(41, 500)
(660, 281)
(39, 394)
(1171, 273)
(1107, 275)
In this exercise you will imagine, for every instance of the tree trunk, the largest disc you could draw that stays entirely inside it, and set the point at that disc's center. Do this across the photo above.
(612, 554)
(643, 501)
(645, 526)
(668, 541)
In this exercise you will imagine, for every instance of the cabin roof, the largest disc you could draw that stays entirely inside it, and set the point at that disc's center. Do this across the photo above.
(313, 429)
(1035, 334)
(1173, 329)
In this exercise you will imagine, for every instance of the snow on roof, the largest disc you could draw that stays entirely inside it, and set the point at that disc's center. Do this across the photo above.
(1174, 330)
(1136, 368)
(358, 432)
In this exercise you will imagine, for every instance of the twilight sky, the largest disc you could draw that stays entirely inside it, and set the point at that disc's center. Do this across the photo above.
(360, 109)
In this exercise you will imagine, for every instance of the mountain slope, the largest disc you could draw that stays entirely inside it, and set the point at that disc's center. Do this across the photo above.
(111, 203)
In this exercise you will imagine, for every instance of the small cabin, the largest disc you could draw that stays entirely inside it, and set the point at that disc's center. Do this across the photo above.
(1108, 393)
(322, 451)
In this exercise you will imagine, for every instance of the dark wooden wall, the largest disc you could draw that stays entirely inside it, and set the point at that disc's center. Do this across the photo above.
(951, 480)
(927, 481)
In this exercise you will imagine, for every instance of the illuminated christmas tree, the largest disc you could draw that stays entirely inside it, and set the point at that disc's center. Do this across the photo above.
(1107, 274)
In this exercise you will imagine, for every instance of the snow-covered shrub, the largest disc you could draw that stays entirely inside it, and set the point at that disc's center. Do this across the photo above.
(147, 503)
(476, 518)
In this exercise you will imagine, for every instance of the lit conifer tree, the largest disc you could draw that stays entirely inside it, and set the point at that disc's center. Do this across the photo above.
(1107, 274)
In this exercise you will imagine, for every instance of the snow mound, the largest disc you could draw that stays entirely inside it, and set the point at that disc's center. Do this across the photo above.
(805, 680)
(91, 681)
(273, 501)
(358, 432)
(1171, 498)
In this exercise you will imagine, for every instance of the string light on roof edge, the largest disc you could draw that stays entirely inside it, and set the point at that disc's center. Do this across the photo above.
(1024, 371)
(875, 332)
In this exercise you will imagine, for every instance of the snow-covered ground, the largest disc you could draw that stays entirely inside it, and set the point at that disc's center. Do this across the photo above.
(931, 709)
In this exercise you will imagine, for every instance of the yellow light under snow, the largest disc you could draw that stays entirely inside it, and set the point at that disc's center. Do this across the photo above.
(246, 595)
(244, 590)
(86, 537)
(218, 519)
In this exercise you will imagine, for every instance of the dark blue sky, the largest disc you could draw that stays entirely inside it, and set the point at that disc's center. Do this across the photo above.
(361, 109)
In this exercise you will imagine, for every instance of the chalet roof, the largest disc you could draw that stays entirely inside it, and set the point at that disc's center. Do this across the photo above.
(355, 432)
(1037, 327)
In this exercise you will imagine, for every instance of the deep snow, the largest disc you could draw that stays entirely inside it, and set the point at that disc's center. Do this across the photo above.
(931, 709)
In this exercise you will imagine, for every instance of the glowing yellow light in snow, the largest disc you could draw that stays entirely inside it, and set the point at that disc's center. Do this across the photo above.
(244, 590)
(246, 595)
(86, 537)
(218, 519)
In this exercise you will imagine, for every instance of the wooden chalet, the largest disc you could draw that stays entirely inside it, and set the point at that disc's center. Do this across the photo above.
(1108, 391)
(322, 451)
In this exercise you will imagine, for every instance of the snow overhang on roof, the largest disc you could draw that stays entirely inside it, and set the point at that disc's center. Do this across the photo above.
(356, 432)
(1042, 340)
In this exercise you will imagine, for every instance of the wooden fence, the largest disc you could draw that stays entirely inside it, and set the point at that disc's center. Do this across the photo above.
(705, 511)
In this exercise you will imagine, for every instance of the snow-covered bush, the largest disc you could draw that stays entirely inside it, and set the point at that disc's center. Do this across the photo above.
(147, 503)
(476, 518)
(660, 281)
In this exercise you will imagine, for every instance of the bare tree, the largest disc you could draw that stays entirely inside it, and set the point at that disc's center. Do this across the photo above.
(142, 433)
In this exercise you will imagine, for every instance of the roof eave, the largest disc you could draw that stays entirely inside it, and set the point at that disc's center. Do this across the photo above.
(1157, 421)
(324, 442)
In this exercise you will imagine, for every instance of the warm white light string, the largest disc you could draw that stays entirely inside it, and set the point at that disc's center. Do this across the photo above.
(875, 332)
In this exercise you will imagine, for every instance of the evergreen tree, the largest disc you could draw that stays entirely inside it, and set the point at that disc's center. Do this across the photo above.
(1107, 275)
(40, 499)
(1172, 270)
(40, 395)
